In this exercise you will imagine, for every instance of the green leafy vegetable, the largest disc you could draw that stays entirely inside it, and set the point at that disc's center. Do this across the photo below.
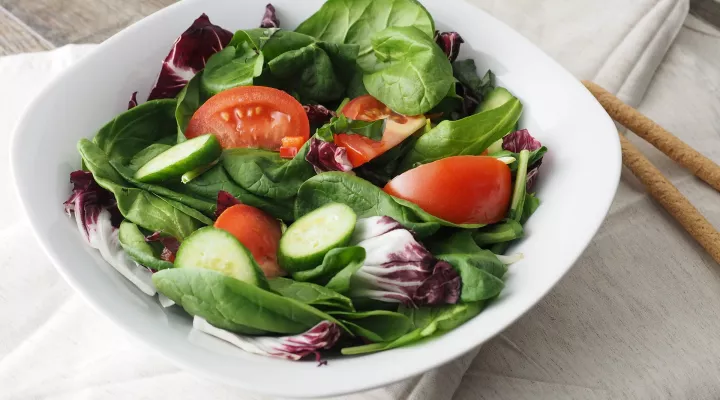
(480, 270)
(518, 196)
(145, 209)
(375, 325)
(342, 124)
(505, 231)
(412, 74)
(133, 242)
(334, 262)
(188, 101)
(530, 204)
(465, 72)
(427, 322)
(311, 294)
(367, 200)
(234, 305)
(356, 21)
(134, 130)
(231, 67)
(468, 136)
(382, 169)
(265, 174)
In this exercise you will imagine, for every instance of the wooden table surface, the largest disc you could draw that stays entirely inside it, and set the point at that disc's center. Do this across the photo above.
(35, 25)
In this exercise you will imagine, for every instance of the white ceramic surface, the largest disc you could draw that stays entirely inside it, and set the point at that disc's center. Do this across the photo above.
(577, 183)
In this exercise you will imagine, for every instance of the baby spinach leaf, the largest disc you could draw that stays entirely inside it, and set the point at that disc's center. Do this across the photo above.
(216, 179)
(504, 231)
(196, 207)
(342, 124)
(428, 322)
(356, 21)
(189, 100)
(367, 200)
(145, 209)
(530, 204)
(311, 294)
(376, 325)
(133, 242)
(335, 261)
(234, 305)
(480, 270)
(465, 72)
(231, 67)
(468, 136)
(135, 129)
(412, 74)
(265, 174)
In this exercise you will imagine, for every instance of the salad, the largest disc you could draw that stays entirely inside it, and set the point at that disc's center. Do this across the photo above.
(340, 187)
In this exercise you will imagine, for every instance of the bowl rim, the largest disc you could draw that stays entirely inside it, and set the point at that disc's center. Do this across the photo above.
(438, 358)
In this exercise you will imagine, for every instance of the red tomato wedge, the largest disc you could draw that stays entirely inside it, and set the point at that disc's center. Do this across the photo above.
(256, 230)
(460, 189)
(250, 116)
(367, 108)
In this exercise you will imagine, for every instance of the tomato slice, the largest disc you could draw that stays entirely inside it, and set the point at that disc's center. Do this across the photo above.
(291, 146)
(250, 116)
(460, 189)
(367, 108)
(256, 230)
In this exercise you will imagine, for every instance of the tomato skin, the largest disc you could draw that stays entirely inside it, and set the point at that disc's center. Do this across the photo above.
(460, 189)
(258, 231)
(361, 149)
(250, 116)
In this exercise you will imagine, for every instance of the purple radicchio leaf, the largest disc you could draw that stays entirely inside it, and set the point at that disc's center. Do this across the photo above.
(170, 245)
(318, 114)
(442, 287)
(133, 101)
(225, 200)
(97, 219)
(327, 156)
(450, 43)
(188, 55)
(520, 140)
(523, 140)
(399, 269)
(86, 202)
(270, 19)
(322, 336)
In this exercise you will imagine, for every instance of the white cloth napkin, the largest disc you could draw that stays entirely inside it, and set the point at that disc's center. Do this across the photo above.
(53, 346)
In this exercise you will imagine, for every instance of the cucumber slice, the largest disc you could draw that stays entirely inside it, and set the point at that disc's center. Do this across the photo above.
(179, 159)
(305, 243)
(218, 250)
(495, 99)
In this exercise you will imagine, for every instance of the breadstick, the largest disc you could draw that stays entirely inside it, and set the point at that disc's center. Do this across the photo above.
(676, 149)
(671, 199)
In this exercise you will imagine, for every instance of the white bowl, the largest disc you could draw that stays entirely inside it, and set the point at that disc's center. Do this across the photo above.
(577, 183)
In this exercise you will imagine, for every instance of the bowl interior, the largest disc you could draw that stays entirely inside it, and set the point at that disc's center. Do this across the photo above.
(577, 182)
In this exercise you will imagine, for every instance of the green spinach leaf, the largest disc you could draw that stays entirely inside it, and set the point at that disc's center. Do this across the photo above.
(530, 204)
(228, 303)
(231, 67)
(367, 200)
(335, 261)
(135, 129)
(311, 294)
(468, 136)
(480, 270)
(141, 207)
(133, 242)
(189, 100)
(265, 174)
(465, 72)
(342, 124)
(504, 231)
(428, 322)
(356, 21)
(412, 74)
(376, 325)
